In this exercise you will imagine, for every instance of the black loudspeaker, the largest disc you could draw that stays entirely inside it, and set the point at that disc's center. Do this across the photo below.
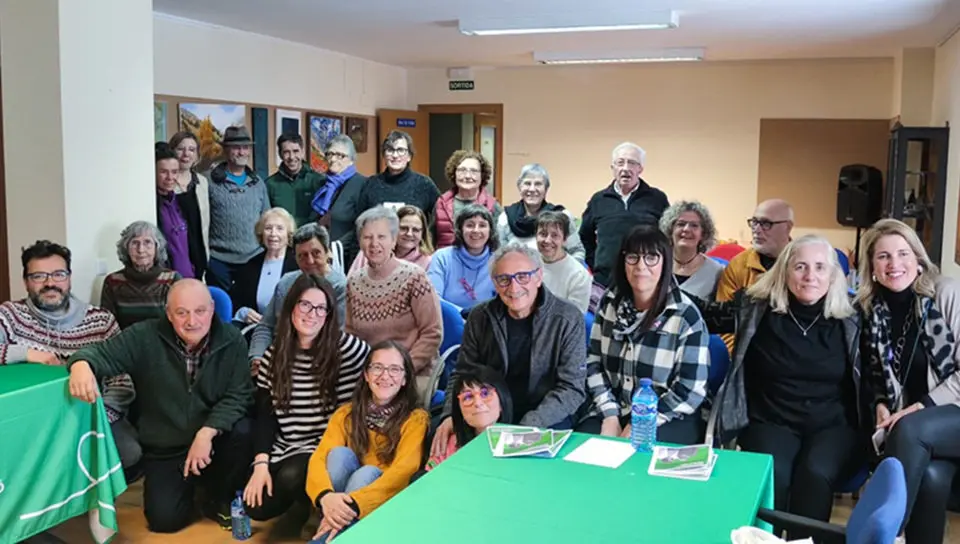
(859, 195)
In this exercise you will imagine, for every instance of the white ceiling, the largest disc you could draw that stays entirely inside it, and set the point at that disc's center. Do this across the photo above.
(424, 33)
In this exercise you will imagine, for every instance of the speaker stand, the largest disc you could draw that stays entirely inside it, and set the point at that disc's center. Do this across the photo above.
(856, 252)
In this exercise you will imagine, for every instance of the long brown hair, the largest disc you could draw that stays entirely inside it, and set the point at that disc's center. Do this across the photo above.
(404, 404)
(324, 353)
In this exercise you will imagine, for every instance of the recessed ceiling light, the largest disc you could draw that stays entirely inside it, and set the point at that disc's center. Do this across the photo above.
(613, 57)
(568, 22)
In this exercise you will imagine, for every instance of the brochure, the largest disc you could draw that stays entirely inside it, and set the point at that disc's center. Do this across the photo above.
(516, 441)
(687, 462)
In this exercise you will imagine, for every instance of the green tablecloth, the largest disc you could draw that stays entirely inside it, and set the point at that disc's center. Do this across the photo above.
(57, 456)
(473, 497)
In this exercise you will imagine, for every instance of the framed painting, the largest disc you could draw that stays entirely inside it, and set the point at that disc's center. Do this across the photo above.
(357, 131)
(322, 129)
(207, 122)
(288, 122)
(159, 121)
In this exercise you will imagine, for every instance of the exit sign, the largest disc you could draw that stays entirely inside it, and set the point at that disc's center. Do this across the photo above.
(462, 85)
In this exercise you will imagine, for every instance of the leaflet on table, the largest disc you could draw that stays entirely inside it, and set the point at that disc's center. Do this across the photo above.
(516, 441)
(687, 462)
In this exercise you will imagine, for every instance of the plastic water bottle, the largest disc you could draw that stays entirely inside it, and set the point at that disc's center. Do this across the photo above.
(643, 417)
(239, 520)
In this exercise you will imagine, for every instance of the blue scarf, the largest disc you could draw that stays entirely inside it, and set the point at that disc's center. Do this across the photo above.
(324, 198)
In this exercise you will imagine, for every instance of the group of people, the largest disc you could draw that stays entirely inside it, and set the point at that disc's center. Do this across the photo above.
(313, 396)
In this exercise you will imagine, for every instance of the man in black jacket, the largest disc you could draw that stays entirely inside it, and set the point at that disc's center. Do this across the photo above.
(627, 202)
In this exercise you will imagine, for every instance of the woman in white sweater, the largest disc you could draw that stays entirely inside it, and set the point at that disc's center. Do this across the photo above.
(563, 275)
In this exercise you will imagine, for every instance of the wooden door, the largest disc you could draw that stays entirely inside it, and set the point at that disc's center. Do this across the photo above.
(414, 123)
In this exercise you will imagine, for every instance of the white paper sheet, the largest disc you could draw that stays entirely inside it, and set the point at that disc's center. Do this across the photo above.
(602, 453)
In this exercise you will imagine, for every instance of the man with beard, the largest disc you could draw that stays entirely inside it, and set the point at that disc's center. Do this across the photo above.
(627, 202)
(238, 197)
(51, 324)
(293, 185)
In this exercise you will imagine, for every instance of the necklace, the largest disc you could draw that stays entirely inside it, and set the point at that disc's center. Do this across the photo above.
(802, 329)
(683, 264)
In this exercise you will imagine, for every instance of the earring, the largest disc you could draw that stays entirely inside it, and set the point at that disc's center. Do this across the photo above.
(874, 278)
(919, 270)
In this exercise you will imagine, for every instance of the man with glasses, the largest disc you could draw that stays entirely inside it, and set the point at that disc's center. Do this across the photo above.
(532, 337)
(398, 185)
(770, 227)
(51, 324)
(293, 185)
(627, 202)
(336, 201)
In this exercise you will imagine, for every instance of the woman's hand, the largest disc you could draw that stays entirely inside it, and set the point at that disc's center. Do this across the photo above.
(625, 433)
(253, 317)
(883, 414)
(892, 420)
(325, 529)
(336, 508)
(610, 426)
(441, 437)
(253, 493)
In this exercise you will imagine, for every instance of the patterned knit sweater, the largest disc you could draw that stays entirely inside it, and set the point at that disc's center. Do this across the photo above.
(23, 326)
(403, 307)
(133, 296)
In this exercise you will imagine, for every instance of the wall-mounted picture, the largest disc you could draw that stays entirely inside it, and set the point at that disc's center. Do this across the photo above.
(288, 122)
(159, 121)
(207, 122)
(322, 129)
(357, 130)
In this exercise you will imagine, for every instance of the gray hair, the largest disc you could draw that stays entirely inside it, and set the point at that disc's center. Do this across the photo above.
(469, 212)
(139, 228)
(346, 142)
(708, 228)
(534, 169)
(557, 219)
(632, 146)
(380, 213)
(515, 247)
(312, 231)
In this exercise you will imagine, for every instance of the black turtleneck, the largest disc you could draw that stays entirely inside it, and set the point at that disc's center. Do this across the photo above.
(913, 359)
(802, 382)
(766, 261)
(401, 189)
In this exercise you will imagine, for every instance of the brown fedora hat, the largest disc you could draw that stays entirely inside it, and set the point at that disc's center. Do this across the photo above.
(236, 136)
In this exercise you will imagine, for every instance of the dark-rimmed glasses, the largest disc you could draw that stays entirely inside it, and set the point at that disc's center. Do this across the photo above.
(522, 278)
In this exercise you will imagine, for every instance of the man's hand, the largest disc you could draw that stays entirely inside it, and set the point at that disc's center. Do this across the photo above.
(42, 357)
(83, 384)
(441, 437)
(199, 456)
(610, 426)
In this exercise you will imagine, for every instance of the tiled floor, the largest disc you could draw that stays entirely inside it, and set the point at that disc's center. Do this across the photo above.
(134, 529)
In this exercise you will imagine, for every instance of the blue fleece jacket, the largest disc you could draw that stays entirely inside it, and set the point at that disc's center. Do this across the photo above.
(461, 278)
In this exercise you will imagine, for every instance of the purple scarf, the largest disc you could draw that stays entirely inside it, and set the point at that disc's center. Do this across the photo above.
(324, 198)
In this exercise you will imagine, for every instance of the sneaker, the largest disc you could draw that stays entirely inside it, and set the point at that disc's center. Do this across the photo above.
(220, 513)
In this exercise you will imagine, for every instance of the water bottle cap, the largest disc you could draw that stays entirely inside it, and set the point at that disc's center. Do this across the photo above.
(646, 382)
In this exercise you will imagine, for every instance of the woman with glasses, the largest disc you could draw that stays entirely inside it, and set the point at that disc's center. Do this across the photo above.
(793, 387)
(645, 327)
(413, 241)
(518, 223)
(187, 148)
(373, 445)
(398, 185)
(336, 201)
(460, 273)
(468, 173)
(311, 368)
(691, 230)
(482, 400)
(139, 290)
(911, 320)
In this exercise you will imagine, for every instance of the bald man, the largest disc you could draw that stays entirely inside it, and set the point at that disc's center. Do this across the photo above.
(770, 226)
(193, 387)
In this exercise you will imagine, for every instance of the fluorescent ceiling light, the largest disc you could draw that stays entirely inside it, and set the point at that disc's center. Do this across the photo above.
(569, 22)
(612, 57)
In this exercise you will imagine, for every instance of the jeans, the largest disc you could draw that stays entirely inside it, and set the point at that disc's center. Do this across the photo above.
(927, 443)
(289, 486)
(168, 497)
(220, 274)
(687, 431)
(346, 475)
(807, 468)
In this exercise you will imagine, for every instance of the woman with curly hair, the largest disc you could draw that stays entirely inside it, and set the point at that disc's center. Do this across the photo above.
(691, 230)
(468, 173)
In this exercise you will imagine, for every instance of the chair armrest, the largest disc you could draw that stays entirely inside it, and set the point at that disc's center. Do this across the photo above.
(828, 533)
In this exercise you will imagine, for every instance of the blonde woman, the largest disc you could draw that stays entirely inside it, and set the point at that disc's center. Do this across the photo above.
(255, 282)
(187, 148)
(910, 319)
(793, 386)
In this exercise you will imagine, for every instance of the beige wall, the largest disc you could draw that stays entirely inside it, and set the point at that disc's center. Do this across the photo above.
(946, 108)
(699, 123)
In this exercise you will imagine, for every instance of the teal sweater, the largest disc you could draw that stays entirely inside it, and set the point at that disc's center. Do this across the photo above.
(171, 410)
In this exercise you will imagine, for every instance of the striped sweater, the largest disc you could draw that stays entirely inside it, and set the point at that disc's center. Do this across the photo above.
(133, 296)
(298, 429)
(23, 326)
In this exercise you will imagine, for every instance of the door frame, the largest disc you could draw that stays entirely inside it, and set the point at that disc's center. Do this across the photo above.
(495, 110)
(4, 251)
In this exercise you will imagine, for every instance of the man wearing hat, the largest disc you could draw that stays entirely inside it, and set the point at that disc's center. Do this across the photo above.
(237, 199)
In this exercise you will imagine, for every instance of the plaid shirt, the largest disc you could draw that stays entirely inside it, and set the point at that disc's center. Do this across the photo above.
(674, 354)
(191, 357)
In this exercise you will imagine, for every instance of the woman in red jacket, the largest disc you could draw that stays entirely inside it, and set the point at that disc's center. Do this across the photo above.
(468, 173)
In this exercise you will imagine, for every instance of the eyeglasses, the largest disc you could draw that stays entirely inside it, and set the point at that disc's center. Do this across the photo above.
(764, 224)
(58, 276)
(465, 171)
(398, 151)
(334, 155)
(377, 369)
(468, 397)
(681, 224)
(522, 278)
(306, 307)
(649, 259)
(620, 163)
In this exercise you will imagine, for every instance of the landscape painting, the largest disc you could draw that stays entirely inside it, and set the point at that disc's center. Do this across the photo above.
(207, 122)
(322, 129)
(159, 121)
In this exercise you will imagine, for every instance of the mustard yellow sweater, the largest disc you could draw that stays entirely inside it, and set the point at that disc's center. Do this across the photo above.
(395, 476)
